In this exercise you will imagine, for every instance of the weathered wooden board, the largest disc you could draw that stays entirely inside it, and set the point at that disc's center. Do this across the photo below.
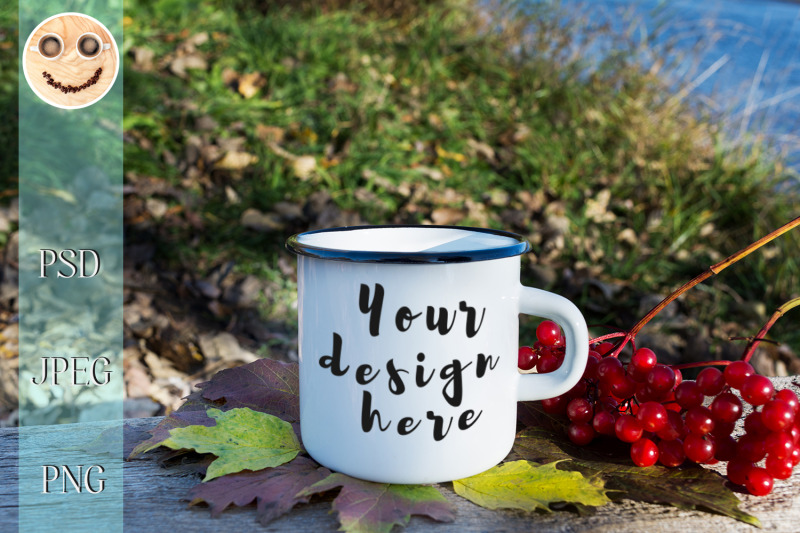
(154, 501)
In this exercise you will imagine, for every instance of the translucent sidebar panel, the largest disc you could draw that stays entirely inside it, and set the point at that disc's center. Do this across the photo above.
(70, 266)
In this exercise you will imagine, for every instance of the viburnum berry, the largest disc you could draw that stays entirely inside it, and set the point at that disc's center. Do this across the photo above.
(726, 447)
(652, 416)
(758, 481)
(579, 410)
(737, 470)
(548, 362)
(555, 406)
(688, 394)
(757, 389)
(628, 429)
(526, 358)
(609, 368)
(580, 434)
(750, 448)
(604, 348)
(726, 407)
(788, 396)
(699, 420)
(699, 448)
(710, 381)
(736, 372)
(777, 415)
(642, 361)
(661, 379)
(778, 444)
(670, 453)
(644, 452)
(548, 332)
(603, 423)
(754, 425)
(779, 468)
(674, 428)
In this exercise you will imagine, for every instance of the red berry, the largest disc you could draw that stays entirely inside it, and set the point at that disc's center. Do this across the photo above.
(777, 415)
(726, 407)
(754, 425)
(603, 423)
(642, 362)
(555, 406)
(628, 429)
(678, 376)
(750, 448)
(644, 452)
(670, 453)
(779, 445)
(726, 447)
(688, 394)
(580, 410)
(795, 457)
(779, 468)
(590, 372)
(757, 390)
(526, 358)
(609, 368)
(604, 348)
(578, 391)
(711, 381)
(580, 434)
(737, 470)
(661, 379)
(652, 416)
(699, 420)
(758, 482)
(674, 428)
(699, 448)
(788, 396)
(548, 332)
(623, 386)
(548, 362)
(736, 372)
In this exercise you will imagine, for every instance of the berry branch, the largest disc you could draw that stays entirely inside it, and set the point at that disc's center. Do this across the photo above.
(712, 271)
(668, 420)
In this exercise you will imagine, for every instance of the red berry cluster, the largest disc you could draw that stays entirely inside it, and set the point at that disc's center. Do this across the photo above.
(71, 88)
(671, 421)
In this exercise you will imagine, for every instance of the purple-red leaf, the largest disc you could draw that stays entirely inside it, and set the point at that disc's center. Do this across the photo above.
(275, 490)
(265, 385)
(364, 506)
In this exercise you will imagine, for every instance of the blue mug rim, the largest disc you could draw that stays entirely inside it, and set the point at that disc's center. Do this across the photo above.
(519, 247)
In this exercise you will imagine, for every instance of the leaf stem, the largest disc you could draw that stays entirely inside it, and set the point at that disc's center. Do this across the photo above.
(779, 312)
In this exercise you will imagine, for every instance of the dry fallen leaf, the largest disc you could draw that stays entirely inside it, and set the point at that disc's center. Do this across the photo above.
(250, 84)
(236, 161)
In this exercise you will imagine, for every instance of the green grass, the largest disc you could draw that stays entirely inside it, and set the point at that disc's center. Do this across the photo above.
(422, 91)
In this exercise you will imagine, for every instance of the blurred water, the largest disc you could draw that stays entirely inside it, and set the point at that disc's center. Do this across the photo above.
(739, 57)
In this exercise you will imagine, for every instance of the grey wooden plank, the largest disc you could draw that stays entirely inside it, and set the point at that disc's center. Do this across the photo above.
(154, 500)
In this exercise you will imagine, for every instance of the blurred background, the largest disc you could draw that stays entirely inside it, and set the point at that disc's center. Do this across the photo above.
(618, 137)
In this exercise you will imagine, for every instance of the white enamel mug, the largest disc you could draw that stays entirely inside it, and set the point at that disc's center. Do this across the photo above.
(408, 349)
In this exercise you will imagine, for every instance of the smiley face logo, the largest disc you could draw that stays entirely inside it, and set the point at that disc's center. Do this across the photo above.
(70, 60)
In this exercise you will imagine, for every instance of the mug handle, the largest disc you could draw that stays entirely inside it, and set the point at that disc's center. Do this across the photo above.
(565, 314)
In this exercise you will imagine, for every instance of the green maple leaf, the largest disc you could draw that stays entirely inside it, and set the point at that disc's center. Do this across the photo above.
(529, 487)
(242, 439)
(367, 507)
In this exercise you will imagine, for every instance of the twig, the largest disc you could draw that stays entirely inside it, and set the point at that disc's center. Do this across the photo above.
(779, 312)
(712, 271)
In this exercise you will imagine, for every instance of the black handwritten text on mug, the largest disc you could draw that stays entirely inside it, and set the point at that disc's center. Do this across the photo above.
(405, 316)
(397, 378)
